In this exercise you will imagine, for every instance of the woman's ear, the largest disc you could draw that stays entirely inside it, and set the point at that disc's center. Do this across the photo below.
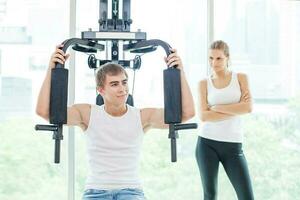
(228, 62)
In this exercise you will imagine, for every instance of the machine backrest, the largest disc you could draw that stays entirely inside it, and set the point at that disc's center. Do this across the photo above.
(99, 100)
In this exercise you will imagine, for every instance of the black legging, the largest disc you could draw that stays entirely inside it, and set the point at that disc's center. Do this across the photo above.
(209, 153)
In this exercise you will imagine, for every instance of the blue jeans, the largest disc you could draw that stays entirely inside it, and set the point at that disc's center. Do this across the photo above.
(118, 194)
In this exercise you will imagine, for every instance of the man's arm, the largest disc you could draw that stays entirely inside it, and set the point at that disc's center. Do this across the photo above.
(77, 114)
(206, 114)
(245, 104)
(154, 117)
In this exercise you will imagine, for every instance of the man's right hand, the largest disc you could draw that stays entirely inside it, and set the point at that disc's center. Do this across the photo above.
(58, 56)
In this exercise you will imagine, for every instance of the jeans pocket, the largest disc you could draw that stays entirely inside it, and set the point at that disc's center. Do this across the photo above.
(136, 191)
(93, 193)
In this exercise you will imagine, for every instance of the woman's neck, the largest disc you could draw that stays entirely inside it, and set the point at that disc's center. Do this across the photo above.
(221, 74)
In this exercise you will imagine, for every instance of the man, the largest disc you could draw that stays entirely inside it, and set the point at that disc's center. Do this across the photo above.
(114, 130)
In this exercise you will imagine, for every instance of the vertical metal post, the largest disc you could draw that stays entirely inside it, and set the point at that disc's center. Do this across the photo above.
(210, 26)
(71, 98)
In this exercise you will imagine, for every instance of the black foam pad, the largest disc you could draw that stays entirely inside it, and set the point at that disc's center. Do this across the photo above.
(59, 96)
(172, 96)
(99, 100)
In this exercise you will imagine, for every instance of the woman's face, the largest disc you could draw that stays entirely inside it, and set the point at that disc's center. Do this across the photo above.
(218, 60)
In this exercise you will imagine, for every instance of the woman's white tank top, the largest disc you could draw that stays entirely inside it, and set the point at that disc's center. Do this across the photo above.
(228, 130)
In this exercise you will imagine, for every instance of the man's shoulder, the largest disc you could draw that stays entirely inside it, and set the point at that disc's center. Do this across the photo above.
(84, 109)
(146, 113)
(147, 110)
(82, 106)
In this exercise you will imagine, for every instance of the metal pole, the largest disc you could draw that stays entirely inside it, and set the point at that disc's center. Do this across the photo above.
(210, 27)
(71, 98)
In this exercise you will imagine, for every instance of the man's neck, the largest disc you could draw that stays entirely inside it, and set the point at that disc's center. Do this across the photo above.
(114, 110)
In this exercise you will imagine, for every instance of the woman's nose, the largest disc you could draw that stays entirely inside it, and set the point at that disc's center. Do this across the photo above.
(213, 62)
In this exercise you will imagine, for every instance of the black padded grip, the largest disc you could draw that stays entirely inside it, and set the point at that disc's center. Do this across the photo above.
(172, 96)
(59, 96)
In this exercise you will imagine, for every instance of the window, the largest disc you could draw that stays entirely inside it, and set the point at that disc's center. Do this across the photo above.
(26, 156)
(263, 37)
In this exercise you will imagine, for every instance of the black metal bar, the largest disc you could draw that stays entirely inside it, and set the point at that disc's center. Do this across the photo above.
(115, 50)
(77, 41)
(173, 134)
(173, 150)
(40, 127)
(148, 43)
(57, 136)
(57, 151)
(186, 126)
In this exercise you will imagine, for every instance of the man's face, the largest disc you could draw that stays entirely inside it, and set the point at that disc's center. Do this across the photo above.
(115, 90)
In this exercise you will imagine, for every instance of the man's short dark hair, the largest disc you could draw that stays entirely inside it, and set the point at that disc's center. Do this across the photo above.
(111, 69)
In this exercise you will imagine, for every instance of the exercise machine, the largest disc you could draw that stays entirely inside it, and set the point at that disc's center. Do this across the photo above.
(114, 30)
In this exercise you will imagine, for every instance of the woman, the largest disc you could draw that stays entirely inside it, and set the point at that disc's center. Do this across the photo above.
(224, 96)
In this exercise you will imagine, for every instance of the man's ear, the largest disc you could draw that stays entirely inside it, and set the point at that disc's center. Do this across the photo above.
(100, 90)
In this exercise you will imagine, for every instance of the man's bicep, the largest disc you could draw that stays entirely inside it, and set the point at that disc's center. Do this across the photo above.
(78, 115)
(158, 119)
(74, 116)
(154, 118)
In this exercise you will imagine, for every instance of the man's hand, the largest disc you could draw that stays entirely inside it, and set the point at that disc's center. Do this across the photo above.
(58, 56)
(173, 59)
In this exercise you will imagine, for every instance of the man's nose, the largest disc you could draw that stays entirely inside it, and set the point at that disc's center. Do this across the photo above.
(123, 88)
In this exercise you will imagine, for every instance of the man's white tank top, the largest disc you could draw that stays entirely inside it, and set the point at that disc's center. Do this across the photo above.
(113, 149)
(228, 130)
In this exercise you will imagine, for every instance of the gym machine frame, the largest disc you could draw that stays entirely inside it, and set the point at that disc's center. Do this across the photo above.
(115, 30)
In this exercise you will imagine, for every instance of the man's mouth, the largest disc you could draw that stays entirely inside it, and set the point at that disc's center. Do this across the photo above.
(121, 96)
